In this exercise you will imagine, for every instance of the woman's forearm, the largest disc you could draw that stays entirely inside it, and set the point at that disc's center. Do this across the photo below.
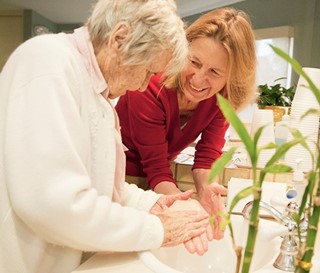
(200, 178)
(166, 187)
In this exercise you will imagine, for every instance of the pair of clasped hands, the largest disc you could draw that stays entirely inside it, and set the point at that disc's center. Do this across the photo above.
(186, 220)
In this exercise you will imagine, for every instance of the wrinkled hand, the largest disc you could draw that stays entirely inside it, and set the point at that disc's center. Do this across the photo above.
(181, 226)
(211, 200)
(198, 244)
(166, 201)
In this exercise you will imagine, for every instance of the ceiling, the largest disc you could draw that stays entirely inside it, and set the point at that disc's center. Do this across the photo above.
(76, 11)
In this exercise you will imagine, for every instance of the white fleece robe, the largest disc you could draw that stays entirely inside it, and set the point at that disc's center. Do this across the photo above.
(60, 159)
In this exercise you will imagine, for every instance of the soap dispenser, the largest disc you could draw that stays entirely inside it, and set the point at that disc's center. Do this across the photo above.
(281, 130)
(298, 181)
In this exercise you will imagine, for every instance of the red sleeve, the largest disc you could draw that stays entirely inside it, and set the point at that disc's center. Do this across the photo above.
(209, 147)
(147, 114)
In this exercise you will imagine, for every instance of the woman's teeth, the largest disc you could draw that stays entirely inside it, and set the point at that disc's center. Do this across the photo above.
(197, 89)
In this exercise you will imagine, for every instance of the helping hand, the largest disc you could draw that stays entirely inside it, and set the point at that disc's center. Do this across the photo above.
(211, 200)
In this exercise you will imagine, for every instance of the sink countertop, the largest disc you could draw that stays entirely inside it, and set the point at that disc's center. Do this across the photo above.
(128, 263)
(113, 263)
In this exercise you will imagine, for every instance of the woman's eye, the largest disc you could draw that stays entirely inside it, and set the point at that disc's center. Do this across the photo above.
(214, 72)
(195, 63)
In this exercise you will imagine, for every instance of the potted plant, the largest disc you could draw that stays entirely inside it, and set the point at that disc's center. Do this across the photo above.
(275, 97)
(274, 165)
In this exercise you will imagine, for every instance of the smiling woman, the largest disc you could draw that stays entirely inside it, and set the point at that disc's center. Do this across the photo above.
(159, 123)
(203, 77)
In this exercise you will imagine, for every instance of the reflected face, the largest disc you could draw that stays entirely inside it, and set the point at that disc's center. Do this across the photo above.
(205, 73)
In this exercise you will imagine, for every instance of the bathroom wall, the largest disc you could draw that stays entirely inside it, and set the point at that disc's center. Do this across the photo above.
(11, 33)
(32, 19)
(302, 15)
(18, 26)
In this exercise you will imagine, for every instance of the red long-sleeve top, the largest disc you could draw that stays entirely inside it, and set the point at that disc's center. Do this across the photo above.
(150, 128)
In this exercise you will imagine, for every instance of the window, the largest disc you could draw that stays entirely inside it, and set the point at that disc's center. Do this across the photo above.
(270, 65)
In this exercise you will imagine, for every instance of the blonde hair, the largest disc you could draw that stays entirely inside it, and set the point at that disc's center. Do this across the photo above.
(232, 28)
(155, 26)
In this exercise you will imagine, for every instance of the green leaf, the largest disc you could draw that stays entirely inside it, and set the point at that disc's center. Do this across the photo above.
(311, 112)
(298, 68)
(242, 194)
(298, 135)
(257, 135)
(268, 146)
(220, 163)
(308, 191)
(275, 95)
(282, 149)
(277, 168)
(236, 123)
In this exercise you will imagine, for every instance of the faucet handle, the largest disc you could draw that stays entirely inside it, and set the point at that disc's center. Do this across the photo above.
(292, 209)
(288, 252)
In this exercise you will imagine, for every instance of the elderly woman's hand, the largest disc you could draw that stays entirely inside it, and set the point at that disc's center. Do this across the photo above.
(198, 244)
(182, 226)
(211, 200)
(166, 201)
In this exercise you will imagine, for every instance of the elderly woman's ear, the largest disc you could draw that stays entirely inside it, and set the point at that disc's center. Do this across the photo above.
(119, 34)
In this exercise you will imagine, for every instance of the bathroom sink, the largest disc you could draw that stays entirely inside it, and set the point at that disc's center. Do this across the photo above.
(220, 257)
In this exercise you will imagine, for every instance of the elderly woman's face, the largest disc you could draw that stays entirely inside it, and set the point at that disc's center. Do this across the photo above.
(137, 77)
(122, 78)
(205, 73)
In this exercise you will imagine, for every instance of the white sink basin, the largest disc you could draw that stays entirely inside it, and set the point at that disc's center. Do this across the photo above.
(220, 257)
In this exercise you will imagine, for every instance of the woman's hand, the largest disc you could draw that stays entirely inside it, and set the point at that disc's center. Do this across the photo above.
(211, 200)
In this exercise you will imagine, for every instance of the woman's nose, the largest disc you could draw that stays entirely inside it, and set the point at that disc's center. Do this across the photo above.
(199, 76)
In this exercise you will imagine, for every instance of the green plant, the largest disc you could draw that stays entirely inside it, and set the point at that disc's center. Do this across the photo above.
(272, 166)
(275, 95)
(312, 192)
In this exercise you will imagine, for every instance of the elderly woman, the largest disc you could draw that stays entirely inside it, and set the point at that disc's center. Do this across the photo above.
(159, 123)
(62, 167)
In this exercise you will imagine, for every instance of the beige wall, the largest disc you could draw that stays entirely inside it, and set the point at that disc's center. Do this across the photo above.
(301, 15)
(11, 34)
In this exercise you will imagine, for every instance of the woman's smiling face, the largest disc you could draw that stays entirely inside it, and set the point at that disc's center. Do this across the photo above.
(205, 73)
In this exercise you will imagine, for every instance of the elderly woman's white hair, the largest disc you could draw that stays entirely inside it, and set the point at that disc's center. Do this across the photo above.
(154, 25)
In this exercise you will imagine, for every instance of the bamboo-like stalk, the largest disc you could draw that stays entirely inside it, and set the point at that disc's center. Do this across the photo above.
(252, 235)
(254, 217)
(238, 251)
(304, 265)
(271, 167)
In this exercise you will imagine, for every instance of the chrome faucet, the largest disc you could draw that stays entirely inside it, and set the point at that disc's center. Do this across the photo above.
(289, 246)
(277, 215)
